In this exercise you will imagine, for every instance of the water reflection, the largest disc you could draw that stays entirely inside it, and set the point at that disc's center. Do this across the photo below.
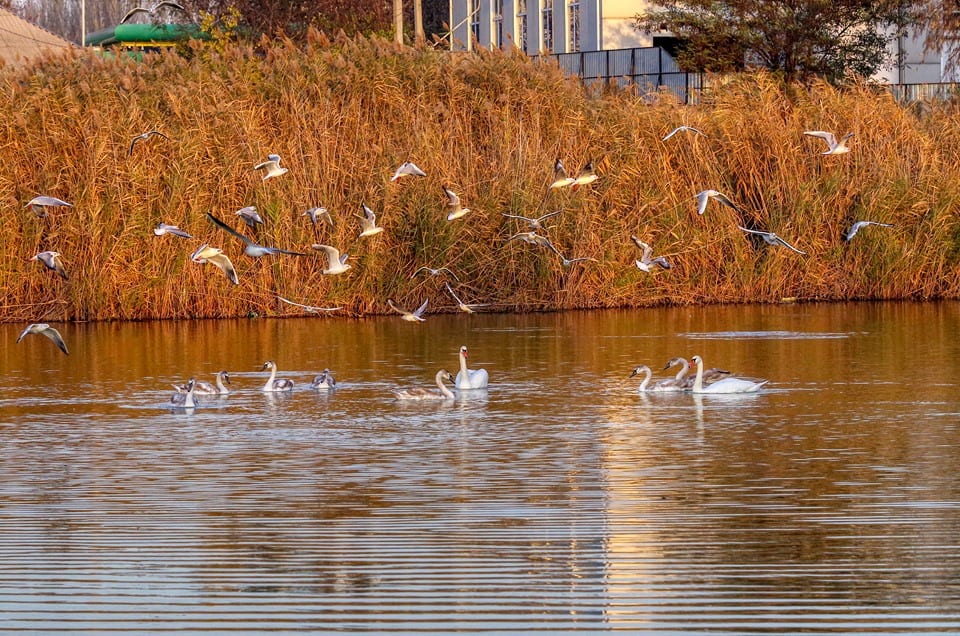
(558, 499)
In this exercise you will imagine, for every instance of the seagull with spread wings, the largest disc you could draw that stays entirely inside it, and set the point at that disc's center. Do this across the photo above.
(834, 147)
(454, 209)
(336, 262)
(52, 261)
(409, 316)
(162, 228)
(271, 167)
(462, 306)
(45, 330)
(368, 222)
(534, 223)
(772, 239)
(40, 204)
(216, 257)
(859, 225)
(408, 169)
(680, 129)
(252, 249)
(647, 262)
(703, 198)
(152, 11)
(144, 137)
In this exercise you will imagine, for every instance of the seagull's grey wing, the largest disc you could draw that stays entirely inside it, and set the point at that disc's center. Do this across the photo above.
(702, 199)
(29, 329)
(45, 201)
(134, 143)
(516, 216)
(223, 262)
(54, 335)
(757, 232)
(229, 229)
(291, 253)
(722, 198)
(450, 289)
(333, 254)
(421, 308)
(170, 4)
(309, 308)
(662, 262)
(780, 241)
(392, 305)
(822, 134)
(452, 199)
(368, 214)
(549, 215)
(173, 229)
(447, 270)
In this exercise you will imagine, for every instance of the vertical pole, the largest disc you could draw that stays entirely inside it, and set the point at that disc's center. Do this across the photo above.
(418, 21)
(398, 21)
(83, 23)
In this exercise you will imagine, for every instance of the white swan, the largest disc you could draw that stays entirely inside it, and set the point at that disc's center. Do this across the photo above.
(682, 382)
(324, 381)
(183, 398)
(726, 385)
(273, 384)
(205, 388)
(646, 379)
(467, 378)
(427, 394)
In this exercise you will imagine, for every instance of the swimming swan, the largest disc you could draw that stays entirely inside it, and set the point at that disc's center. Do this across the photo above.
(427, 394)
(205, 388)
(726, 385)
(470, 379)
(646, 379)
(682, 382)
(183, 398)
(272, 384)
(324, 381)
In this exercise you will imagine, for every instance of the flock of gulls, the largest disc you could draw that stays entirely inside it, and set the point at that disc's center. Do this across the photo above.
(534, 232)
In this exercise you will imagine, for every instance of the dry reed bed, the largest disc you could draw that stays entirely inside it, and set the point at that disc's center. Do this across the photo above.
(344, 114)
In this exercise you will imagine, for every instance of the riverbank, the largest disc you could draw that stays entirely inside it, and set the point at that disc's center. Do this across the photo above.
(344, 115)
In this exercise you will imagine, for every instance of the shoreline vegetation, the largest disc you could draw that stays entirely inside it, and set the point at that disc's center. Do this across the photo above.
(345, 113)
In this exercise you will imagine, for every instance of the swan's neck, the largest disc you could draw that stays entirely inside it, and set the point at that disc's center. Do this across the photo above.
(443, 387)
(682, 373)
(698, 383)
(646, 380)
(220, 386)
(463, 364)
(273, 375)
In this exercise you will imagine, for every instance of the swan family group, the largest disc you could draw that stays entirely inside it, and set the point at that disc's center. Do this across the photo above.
(705, 381)
(465, 380)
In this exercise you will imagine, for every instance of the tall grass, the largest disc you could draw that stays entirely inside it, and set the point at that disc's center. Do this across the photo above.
(344, 114)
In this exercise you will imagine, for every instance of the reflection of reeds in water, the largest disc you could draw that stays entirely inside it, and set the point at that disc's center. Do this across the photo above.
(343, 115)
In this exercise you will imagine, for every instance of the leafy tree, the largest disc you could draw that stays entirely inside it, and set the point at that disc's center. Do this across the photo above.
(800, 39)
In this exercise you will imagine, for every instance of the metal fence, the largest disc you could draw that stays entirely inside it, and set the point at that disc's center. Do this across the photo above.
(651, 70)
(648, 70)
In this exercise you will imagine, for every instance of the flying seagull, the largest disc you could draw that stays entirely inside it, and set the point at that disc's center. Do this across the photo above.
(309, 308)
(408, 169)
(772, 239)
(454, 209)
(250, 216)
(319, 214)
(40, 204)
(272, 167)
(679, 129)
(51, 261)
(215, 256)
(337, 263)
(560, 178)
(414, 316)
(567, 262)
(462, 306)
(532, 238)
(435, 272)
(537, 223)
(834, 147)
(144, 137)
(45, 330)
(856, 227)
(368, 222)
(647, 262)
(585, 177)
(162, 228)
(704, 197)
(252, 249)
(152, 11)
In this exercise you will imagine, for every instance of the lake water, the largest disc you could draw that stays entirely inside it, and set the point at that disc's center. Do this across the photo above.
(559, 500)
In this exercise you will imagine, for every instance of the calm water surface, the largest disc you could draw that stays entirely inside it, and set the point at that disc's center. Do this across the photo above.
(560, 500)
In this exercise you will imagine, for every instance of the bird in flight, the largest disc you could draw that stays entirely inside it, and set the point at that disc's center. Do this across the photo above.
(368, 222)
(560, 178)
(859, 225)
(680, 129)
(435, 272)
(337, 263)
(409, 316)
(40, 204)
(534, 224)
(834, 147)
(144, 137)
(250, 216)
(772, 239)
(252, 249)
(162, 228)
(309, 308)
(407, 169)
(319, 214)
(45, 330)
(703, 198)
(532, 238)
(454, 209)
(462, 306)
(586, 176)
(647, 262)
(271, 166)
(52, 261)
(567, 262)
(215, 256)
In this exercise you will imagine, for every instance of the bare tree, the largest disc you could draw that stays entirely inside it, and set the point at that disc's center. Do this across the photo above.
(940, 21)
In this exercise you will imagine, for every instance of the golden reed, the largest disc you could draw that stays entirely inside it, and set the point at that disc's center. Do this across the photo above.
(344, 114)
